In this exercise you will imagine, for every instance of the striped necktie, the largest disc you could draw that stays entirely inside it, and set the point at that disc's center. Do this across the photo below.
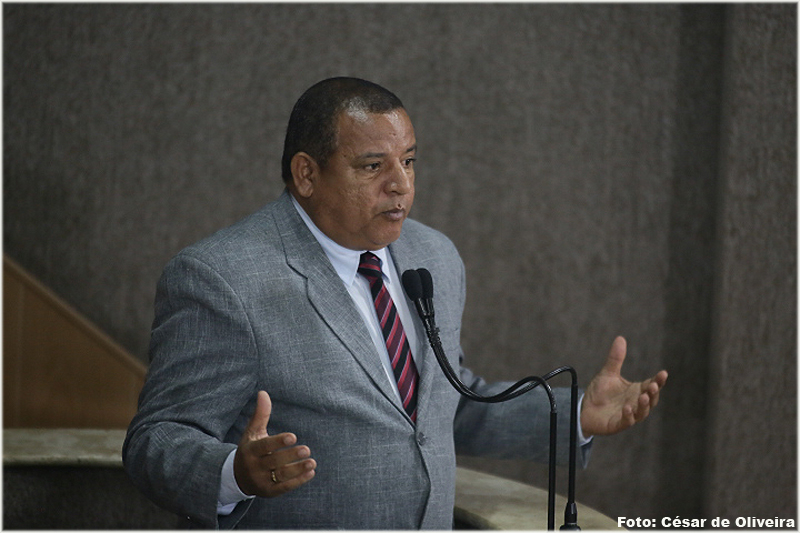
(405, 372)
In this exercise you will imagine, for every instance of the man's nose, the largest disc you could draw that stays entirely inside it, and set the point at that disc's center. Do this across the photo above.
(401, 179)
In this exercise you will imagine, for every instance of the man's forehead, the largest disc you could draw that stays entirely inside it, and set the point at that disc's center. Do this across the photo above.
(361, 115)
(362, 126)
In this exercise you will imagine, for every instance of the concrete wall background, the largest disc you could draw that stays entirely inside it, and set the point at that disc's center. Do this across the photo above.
(635, 164)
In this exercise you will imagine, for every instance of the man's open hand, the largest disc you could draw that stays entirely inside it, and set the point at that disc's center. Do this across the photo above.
(611, 402)
(267, 465)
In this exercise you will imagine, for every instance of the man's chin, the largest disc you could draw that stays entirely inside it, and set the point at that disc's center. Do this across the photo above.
(387, 237)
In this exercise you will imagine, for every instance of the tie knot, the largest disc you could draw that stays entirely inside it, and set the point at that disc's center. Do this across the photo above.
(370, 265)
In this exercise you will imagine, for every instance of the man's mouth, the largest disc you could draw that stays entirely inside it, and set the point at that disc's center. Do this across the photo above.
(397, 214)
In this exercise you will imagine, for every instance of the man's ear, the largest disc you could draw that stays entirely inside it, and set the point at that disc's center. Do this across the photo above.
(305, 173)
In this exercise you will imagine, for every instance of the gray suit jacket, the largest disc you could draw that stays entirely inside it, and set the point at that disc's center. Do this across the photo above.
(259, 306)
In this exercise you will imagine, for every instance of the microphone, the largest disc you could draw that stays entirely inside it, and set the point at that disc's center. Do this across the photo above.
(427, 288)
(418, 285)
(412, 283)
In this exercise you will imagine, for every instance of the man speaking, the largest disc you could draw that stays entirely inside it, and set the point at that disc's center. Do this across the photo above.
(290, 386)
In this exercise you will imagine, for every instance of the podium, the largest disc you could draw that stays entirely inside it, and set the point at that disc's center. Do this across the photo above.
(484, 501)
(73, 479)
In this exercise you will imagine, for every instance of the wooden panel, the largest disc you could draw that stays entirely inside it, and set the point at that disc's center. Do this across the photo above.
(59, 370)
(12, 347)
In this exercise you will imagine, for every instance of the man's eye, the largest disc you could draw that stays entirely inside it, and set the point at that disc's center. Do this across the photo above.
(373, 166)
(410, 161)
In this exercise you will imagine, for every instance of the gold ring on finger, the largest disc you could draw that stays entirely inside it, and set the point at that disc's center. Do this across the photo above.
(274, 477)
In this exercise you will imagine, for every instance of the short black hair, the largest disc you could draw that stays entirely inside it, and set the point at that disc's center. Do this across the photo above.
(312, 124)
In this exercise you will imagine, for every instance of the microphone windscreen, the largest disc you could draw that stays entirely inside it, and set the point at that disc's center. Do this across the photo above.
(427, 282)
(412, 284)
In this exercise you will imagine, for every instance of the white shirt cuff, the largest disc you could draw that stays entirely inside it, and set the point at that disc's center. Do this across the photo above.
(581, 439)
(229, 493)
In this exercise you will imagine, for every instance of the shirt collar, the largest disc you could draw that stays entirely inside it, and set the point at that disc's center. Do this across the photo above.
(344, 260)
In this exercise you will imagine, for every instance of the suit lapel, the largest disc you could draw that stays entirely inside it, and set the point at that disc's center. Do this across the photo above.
(328, 295)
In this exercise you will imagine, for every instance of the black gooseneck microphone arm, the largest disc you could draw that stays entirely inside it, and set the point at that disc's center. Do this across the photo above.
(418, 285)
(571, 509)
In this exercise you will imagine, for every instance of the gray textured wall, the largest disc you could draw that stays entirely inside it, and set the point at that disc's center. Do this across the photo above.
(636, 164)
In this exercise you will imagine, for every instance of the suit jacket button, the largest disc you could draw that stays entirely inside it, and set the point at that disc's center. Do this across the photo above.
(421, 438)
